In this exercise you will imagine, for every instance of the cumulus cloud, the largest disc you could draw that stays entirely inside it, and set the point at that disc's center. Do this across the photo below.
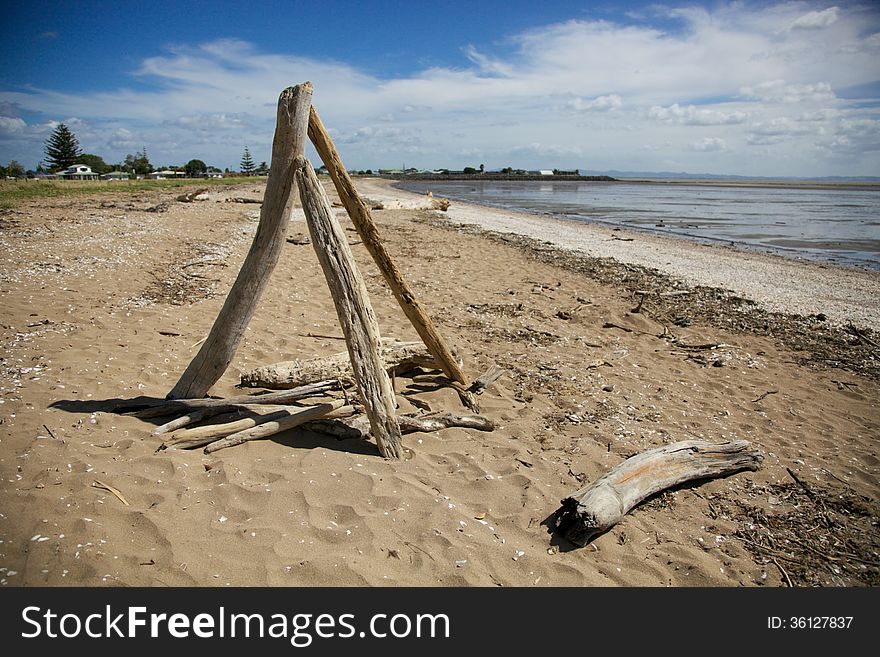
(708, 145)
(816, 19)
(10, 126)
(691, 115)
(598, 104)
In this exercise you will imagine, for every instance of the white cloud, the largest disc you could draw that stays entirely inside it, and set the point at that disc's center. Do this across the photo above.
(10, 126)
(708, 145)
(691, 115)
(599, 104)
(816, 19)
(777, 91)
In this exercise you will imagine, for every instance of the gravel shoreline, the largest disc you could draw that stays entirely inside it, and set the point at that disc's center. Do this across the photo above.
(776, 283)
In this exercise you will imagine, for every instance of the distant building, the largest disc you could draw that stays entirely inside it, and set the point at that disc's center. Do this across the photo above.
(116, 175)
(78, 172)
(167, 174)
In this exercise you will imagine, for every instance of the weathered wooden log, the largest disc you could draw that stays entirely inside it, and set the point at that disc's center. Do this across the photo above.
(353, 308)
(222, 405)
(201, 436)
(369, 233)
(270, 428)
(596, 508)
(292, 373)
(358, 427)
(219, 348)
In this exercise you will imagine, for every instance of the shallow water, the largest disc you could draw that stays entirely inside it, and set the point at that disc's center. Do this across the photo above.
(840, 225)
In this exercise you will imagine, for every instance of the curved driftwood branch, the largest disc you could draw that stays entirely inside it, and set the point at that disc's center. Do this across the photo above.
(596, 508)
(292, 373)
(219, 348)
(353, 309)
(369, 233)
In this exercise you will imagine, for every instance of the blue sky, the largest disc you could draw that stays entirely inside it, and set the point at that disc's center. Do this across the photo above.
(749, 88)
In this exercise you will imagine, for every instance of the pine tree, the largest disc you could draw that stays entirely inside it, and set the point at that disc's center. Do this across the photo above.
(247, 163)
(62, 149)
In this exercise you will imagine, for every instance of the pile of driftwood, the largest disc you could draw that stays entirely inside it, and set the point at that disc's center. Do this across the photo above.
(368, 360)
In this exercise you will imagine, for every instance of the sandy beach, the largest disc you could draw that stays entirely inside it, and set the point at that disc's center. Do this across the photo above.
(107, 297)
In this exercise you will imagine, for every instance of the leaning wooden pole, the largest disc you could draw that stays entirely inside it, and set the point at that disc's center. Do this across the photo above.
(356, 316)
(369, 233)
(219, 348)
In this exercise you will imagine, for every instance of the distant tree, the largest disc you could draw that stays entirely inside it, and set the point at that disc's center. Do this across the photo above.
(469, 170)
(138, 164)
(507, 170)
(263, 169)
(482, 168)
(96, 162)
(247, 163)
(62, 149)
(14, 169)
(195, 168)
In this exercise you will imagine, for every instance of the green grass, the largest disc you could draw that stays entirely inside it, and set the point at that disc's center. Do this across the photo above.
(14, 192)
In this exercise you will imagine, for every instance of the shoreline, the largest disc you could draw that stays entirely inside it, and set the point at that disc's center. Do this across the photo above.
(778, 284)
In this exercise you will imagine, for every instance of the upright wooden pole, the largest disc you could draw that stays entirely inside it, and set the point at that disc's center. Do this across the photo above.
(369, 233)
(356, 316)
(219, 348)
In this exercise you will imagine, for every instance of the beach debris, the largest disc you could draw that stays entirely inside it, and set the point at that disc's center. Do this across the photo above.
(299, 239)
(594, 509)
(274, 426)
(193, 195)
(100, 484)
(763, 395)
(396, 355)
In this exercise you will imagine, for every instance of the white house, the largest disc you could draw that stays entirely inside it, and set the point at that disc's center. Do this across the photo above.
(116, 175)
(79, 172)
(166, 175)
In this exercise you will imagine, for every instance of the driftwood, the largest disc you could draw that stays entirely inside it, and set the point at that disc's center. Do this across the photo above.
(358, 427)
(235, 422)
(596, 508)
(172, 406)
(353, 308)
(270, 428)
(369, 233)
(219, 348)
(292, 373)
(191, 196)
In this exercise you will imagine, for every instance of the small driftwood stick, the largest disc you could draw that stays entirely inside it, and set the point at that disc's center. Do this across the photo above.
(596, 508)
(201, 436)
(353, 308)
(486, 379)
(219, 348)
(288, 374)
(369, 233)
(270, 428)
(358, 427)
(223, 405)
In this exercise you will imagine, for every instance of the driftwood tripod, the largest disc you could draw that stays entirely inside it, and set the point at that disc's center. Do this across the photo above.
(297, 120)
